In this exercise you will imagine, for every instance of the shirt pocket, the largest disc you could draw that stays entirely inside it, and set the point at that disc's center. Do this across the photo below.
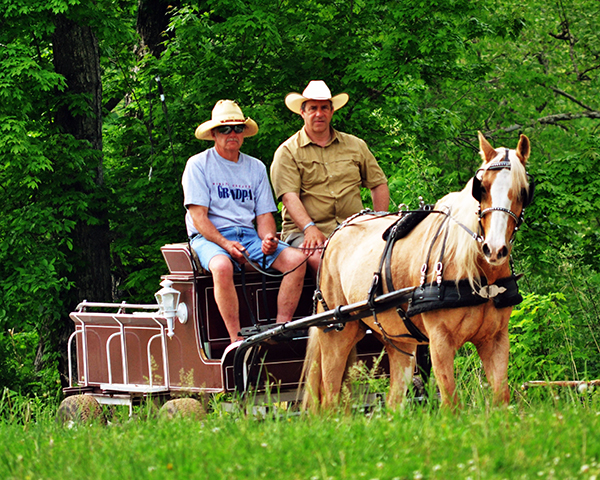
(312, 173)
(344, 171)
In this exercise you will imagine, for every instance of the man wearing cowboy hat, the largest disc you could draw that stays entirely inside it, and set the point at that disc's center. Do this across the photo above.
(225, 192)
(318, 172)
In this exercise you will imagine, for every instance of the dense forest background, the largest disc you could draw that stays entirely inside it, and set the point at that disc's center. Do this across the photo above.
(99, 101)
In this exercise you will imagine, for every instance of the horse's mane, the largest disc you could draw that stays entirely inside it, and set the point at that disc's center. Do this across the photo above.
(461, 250)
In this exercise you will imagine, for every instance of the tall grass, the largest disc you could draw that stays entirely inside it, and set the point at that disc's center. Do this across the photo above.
(543, 434)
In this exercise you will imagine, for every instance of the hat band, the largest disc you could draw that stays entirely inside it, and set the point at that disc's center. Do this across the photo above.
(229, 120)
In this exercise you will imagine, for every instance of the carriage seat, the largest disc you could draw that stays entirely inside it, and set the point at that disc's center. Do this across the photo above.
(180, 260)
(183, 260)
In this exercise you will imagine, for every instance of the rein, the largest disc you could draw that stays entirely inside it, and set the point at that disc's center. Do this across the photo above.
(262, 270)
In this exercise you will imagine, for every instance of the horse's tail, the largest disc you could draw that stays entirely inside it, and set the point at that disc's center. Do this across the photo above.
(311, 372)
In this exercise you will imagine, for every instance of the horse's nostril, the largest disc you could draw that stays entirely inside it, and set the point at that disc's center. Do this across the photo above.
(486, 250)
(503, 252)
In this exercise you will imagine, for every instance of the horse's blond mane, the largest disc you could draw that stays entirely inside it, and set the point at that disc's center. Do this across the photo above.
(461, 250)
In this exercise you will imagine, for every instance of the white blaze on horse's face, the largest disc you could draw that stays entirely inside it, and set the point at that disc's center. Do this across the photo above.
(498, 225)
(500, 202)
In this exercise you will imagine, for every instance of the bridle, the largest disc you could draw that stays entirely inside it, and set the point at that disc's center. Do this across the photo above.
(526, 195)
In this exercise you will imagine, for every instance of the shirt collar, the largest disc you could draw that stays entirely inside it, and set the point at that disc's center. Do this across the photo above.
(305, 139)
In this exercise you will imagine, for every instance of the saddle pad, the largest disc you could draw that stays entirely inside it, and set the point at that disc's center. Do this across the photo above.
(406, 223)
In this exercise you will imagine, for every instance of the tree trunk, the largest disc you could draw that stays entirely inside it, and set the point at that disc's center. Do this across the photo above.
(152, 21)
(76, 57)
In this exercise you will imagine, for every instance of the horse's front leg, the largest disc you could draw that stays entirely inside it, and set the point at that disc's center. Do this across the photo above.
(494, 357)
(442, 352)
(402, 367)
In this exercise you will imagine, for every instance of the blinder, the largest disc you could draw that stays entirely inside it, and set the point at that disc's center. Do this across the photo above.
(525, 194)
(476, 190)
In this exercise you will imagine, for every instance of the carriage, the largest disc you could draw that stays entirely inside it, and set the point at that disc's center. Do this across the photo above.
(121, 354)
(436, 287)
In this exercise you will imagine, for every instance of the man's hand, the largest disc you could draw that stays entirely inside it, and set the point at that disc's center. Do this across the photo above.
(313, 240)
(235, 249)
(269, 244)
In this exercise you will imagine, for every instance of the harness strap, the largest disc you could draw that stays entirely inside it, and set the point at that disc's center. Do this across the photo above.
(318, 297)
(264, 289)
(504, 292)
(435, 237)
(393, 233)
(387, 337)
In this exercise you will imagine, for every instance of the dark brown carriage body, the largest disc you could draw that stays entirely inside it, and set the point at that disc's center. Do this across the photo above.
(123, 352)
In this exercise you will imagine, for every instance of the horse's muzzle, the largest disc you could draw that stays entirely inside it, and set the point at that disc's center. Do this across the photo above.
(495, 255)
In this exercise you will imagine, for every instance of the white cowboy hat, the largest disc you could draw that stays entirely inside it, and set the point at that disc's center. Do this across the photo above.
(226, 112)
(316, 90)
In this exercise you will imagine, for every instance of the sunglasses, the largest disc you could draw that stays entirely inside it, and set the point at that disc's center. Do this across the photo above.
(227, 129)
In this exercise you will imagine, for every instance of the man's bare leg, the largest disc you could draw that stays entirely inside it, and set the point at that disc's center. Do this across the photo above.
(225, 295)
(313, 263)
(292, 283)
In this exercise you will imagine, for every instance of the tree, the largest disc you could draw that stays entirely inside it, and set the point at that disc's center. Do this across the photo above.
(79, 114)
(55, 244)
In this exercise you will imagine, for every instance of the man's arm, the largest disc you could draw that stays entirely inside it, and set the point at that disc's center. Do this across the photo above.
(209, 231)
(381, 198)
(266, 228)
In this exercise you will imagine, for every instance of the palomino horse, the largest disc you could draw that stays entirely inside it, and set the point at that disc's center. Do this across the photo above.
(465, 287)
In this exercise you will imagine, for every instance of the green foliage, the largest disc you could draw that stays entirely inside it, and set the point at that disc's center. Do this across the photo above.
(18, 409)
(422, 79)
(18, 376)
(546, 342)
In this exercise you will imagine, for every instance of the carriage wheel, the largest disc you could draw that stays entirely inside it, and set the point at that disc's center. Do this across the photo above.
(182, 407)
(79, 409)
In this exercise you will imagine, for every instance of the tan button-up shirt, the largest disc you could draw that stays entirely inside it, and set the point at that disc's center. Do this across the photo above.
(327, 179)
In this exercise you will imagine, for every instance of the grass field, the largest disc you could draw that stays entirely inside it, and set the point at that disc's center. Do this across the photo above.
(542, 435)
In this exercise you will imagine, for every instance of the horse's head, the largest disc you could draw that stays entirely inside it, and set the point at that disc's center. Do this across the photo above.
(502, 189)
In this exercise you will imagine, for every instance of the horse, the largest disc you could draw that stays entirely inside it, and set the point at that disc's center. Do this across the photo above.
(456, 257)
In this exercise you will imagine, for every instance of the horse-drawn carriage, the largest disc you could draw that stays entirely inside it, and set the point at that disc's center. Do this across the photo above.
(442, 277)
(180, 346)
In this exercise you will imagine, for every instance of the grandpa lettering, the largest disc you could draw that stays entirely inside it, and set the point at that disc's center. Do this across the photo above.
(239, 194)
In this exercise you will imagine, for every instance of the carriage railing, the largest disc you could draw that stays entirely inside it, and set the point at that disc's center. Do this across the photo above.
(103, 318)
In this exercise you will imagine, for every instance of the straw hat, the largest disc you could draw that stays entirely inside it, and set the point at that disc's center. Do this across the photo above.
(316, 90)
(226, 112)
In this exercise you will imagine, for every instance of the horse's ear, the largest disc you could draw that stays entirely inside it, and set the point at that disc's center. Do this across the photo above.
(486, 151)
(523, 149)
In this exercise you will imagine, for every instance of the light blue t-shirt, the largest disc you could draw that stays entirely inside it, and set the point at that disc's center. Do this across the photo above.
(234, 193)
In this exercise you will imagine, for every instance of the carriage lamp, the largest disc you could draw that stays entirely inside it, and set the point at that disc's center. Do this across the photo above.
(168, 302)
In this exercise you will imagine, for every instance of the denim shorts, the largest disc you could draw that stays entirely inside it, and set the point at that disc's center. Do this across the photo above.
(248, 237)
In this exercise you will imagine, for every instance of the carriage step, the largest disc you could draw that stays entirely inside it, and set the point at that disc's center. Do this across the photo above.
(132, 388)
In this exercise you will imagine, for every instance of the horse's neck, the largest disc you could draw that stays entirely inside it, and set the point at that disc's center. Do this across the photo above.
(494, 273)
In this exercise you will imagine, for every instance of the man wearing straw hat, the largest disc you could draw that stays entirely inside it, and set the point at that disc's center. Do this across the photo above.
(318, 172)
(225, 192)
